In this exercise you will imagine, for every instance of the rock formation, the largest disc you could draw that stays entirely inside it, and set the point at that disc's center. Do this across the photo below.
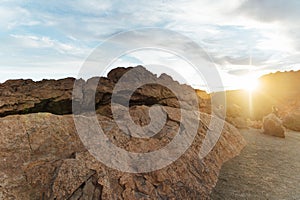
(27, 96)
(55, 96)
(280, 89)
(292, 120)
(42, 157)
(272, 125)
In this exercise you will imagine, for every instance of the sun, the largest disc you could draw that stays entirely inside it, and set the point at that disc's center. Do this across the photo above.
(249, 83)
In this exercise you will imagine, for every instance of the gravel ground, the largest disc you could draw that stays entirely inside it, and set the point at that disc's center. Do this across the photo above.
(267, 168)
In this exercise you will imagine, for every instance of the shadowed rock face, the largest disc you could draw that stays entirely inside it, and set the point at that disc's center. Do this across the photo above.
(27, 96)
(55, 96)
(42, 157)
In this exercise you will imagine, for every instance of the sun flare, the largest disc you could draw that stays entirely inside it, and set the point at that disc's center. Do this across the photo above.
(249, 83)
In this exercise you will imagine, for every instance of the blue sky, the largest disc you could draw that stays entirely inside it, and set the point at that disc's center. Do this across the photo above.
(52, 39)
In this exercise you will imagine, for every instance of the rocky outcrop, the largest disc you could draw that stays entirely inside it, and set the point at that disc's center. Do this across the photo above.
(292, 120)
(280, 89)
(55, 96)
(27, 96)
(43, 158)
(272, 125)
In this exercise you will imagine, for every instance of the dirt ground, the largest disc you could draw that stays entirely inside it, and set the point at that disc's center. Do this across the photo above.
(267, 168)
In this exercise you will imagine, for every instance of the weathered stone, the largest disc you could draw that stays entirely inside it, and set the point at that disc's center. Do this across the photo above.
(70, 176)
(32, 147)
(42, 157)
(26, 96)
(55, 96)
(49, 161)
(272, 125)
(292, 120)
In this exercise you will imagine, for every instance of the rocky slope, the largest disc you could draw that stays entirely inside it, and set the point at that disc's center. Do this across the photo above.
(42, 157)
(280, 89)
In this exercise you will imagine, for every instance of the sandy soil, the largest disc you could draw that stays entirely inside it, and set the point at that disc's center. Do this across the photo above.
(267, 168)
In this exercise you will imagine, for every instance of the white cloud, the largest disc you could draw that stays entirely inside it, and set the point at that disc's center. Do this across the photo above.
(12, 17)
(32, 41)
(232, 32)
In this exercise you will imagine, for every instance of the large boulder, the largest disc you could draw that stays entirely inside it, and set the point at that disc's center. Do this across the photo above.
(292, 120)
(42, 157)
(272, 125)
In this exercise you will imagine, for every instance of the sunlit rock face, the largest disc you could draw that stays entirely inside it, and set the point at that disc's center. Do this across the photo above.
(280, 89)
(42, 156)
(272, 125)
(292, 120)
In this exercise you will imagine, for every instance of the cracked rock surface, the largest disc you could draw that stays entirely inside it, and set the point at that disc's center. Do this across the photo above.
(42, 156)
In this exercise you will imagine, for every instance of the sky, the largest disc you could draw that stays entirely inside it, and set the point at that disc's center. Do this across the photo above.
(244, 38)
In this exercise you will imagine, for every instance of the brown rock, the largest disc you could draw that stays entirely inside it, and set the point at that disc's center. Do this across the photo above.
(257, 124)
(55, 96)
(70, 176)
(32, 147)
(272, 125)
(115, 74)
(42, 157)
(26, 96)
(292, 120)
